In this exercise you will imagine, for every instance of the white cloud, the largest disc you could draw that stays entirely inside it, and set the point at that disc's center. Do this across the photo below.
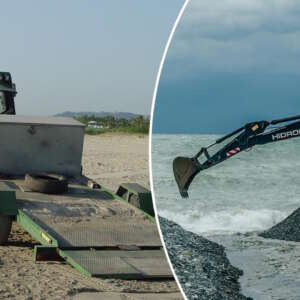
(237, 18)
(238, 36)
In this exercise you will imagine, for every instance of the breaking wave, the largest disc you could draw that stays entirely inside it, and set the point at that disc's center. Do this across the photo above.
(227, 222)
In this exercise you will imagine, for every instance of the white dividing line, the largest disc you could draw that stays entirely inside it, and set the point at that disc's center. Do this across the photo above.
(150, 139)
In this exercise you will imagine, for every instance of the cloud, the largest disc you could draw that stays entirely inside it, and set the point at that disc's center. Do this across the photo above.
(230, 19)
(236, 36)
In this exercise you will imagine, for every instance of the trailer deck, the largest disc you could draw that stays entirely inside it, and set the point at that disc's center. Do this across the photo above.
(93, 230)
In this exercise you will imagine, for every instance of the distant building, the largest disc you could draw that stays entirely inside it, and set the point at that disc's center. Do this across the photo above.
(94, 124)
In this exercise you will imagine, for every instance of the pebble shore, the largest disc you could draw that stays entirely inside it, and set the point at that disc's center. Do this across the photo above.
(201, 265)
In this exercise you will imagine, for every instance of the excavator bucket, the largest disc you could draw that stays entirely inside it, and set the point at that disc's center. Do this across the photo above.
(185, 169)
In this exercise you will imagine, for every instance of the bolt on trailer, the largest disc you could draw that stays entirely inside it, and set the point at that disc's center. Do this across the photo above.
(42, 188)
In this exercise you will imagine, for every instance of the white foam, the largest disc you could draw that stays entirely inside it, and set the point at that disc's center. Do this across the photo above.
(227, 222)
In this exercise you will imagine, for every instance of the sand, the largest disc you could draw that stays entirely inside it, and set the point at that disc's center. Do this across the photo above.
(110, 160)
(114, 159)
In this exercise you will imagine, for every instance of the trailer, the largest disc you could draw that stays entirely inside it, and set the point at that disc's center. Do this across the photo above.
(98, 232)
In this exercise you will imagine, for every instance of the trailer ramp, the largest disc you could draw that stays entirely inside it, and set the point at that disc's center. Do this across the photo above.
(93, 231)
(127, 296)
(142, 264)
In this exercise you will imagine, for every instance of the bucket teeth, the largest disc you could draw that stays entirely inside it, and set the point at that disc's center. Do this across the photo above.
(184, 194)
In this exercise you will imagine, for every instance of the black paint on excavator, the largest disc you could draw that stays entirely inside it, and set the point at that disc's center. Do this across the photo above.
(185, 169)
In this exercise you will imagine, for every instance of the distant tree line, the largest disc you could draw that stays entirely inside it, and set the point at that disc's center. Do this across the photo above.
(139, 124)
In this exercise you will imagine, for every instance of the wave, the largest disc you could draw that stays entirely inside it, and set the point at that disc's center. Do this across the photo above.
(227, 222)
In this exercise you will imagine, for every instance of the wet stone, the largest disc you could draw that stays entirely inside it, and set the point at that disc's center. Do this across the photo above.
(287, 230)
(201, 265)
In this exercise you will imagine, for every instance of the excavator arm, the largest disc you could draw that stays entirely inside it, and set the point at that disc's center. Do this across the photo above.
(254, 133)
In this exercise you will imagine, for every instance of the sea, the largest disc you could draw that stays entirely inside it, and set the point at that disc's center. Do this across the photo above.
(233, 201)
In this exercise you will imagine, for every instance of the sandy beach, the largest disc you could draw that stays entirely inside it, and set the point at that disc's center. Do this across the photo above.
(112, 159)
(109, 160)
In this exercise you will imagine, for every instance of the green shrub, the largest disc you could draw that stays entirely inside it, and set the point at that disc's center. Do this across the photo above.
(139, 125)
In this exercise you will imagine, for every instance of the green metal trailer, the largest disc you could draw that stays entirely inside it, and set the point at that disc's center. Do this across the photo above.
(92, 229)
(98, 232)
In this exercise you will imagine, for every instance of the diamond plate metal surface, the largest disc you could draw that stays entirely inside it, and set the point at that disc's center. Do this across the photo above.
(150, 266)
(122, 264)
(85, 218)
(110, 234)
(88, 218)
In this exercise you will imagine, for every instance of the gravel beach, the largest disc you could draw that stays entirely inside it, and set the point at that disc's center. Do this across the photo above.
(287, 230)
(201, 265)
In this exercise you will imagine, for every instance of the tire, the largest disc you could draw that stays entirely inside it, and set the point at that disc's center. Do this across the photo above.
(5, 228)
(46, 183)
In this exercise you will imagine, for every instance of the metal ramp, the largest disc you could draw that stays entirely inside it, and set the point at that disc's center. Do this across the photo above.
(97, 234)
(127, 296)
(142, 264)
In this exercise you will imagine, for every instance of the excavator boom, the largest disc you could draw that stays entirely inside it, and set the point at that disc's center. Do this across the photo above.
(186, 168)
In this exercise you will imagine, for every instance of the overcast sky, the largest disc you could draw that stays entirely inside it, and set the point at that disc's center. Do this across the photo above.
(230, 62)
(84, 55)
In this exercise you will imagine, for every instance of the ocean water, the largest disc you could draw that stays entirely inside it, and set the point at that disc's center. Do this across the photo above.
(229, 203)
(249, 192)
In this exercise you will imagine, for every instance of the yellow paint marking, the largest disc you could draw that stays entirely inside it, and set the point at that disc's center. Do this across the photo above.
(46, 237)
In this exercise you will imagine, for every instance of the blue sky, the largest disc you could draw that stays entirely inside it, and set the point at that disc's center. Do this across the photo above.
(84, 55)
(230, 62)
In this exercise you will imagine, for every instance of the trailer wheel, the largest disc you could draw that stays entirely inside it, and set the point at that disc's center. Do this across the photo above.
(5, 228)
